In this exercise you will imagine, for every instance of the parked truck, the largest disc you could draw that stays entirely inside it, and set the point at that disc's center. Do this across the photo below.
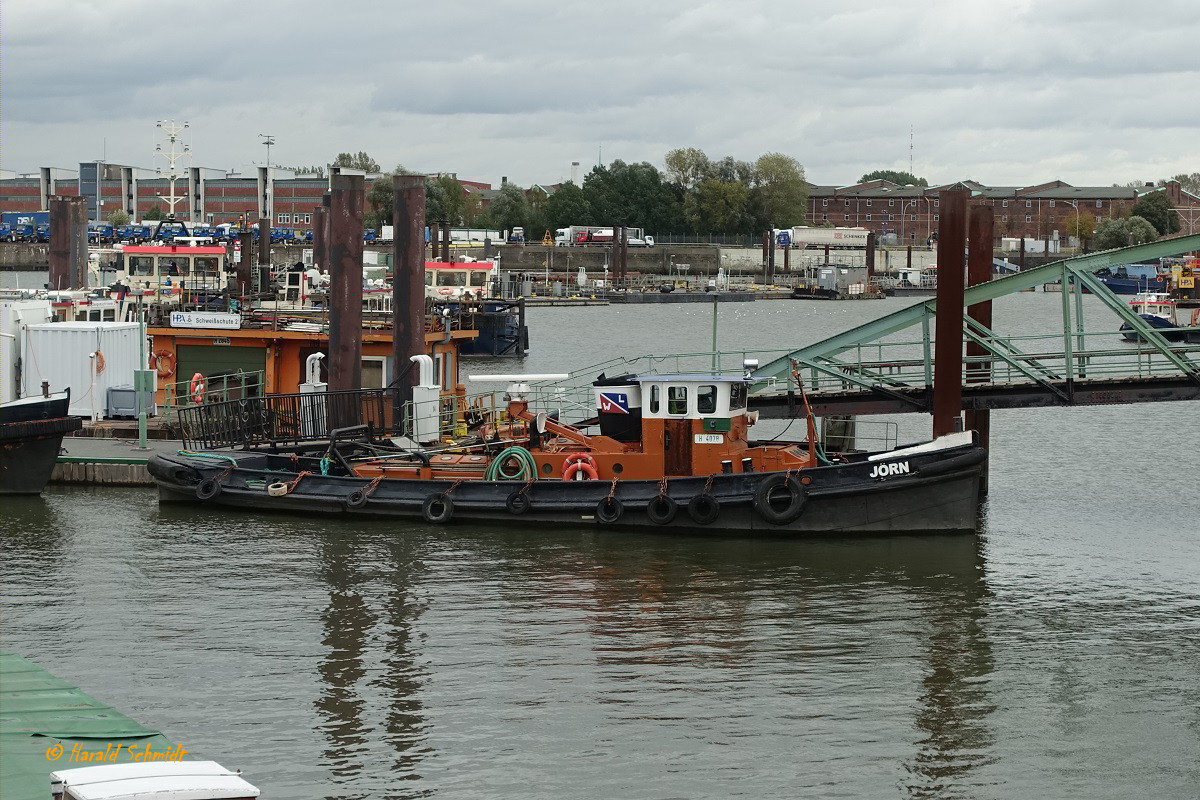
(583, 235)
(803, 236)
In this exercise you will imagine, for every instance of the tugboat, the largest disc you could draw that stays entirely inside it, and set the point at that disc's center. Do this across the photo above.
(663, 451)
(1158, 309)
(31, 433)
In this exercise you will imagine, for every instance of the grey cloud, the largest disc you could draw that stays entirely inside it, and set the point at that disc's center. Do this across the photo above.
(1005, 91)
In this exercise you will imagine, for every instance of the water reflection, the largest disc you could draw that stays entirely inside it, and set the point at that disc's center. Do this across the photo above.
(402, 672)
(346, 623)
(370, 672)
(902, 617)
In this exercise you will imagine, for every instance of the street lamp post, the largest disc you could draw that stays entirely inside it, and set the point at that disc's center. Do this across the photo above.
(1078, 233)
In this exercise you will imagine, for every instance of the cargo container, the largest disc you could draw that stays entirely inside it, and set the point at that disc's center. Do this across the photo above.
(802, 236)
(88, 357)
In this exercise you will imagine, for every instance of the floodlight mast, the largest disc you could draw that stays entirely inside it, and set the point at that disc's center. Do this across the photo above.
(172, 132)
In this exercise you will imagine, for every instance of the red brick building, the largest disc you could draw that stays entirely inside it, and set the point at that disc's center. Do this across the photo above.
(202, 195)
(1035, 212)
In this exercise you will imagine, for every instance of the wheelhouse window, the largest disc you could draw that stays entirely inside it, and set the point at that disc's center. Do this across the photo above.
(677, 399)
(479, 277)
(206, 265)
(141, 265)
(706, 399)
(737, 396)
(172, 266)
(654, 399)
(429, 277)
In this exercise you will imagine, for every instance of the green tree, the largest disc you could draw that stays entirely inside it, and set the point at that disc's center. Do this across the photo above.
(568, 206)
(1190, 183)
(731, 169)
(632, 194)
(1156, 208)
(1113, 233)
(381, 199)
(718, 207)
(454, 199)
(317, 170)
(780, 193)
(155, 213)
(118, 217)
(1082, 225)
(509, 208)
(895, 176)
(359, 160)
(687, 167)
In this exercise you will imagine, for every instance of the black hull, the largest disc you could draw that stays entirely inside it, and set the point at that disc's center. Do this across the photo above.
(28, 452)
(939, 494)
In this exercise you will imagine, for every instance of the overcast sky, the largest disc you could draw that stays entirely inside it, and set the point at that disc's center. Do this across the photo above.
(1001, 91)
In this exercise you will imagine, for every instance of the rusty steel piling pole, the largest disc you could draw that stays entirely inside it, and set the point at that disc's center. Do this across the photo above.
(870, 256)
(326, 252)
(408, 286)
(345, 284)
(979, 270)
(948, 347)
(446, 241)
(245, 272)
(78, 243)
(60, 242)
(625, 254)
(787, 260)
(264, 241)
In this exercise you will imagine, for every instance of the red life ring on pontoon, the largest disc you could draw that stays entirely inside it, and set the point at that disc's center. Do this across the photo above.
(164, 362)
(578, 463)
(196, 390)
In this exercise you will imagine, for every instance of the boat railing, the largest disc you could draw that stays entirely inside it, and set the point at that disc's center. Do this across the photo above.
(281, 420)
(219, 387)
(845, 434)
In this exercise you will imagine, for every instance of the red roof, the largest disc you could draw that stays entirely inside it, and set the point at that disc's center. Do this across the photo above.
(173, 249)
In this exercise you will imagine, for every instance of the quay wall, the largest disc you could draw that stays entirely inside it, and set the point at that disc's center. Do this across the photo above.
(102, 472)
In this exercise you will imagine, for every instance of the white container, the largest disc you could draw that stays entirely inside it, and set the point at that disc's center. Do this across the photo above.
(88, 357)
(16, 314)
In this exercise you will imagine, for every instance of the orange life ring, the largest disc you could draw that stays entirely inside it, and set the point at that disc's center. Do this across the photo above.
(164, 362)
(196, 390)
(577, 463)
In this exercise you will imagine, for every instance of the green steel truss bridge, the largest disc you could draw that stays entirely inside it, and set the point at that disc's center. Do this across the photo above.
(887, 366)
(876, 369)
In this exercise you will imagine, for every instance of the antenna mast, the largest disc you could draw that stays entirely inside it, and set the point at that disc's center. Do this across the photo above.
(910, 150)
(173, 131)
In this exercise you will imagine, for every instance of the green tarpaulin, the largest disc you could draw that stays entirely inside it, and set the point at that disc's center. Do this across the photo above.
(47, 724)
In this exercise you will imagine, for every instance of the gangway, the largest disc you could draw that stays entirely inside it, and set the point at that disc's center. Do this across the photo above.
(867, 370)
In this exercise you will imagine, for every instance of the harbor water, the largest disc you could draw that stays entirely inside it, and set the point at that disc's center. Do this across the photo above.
(1054, 655)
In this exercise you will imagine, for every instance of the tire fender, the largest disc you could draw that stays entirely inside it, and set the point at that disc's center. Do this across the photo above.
(438, 508)
(704, 509)
(780, 516)
(208, 489)
(661, 509)
(609, 510)
(517, 502)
